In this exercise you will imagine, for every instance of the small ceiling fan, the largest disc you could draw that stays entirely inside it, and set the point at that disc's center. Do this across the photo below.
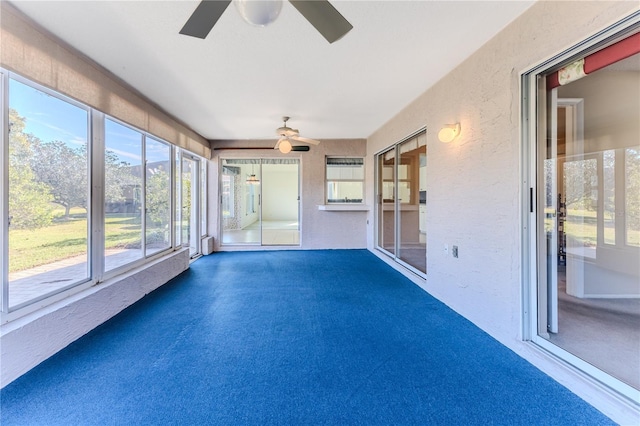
(287, 134)
(320, 13)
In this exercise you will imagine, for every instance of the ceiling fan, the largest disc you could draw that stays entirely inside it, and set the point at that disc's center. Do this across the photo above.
(287, 134)
(320, 13)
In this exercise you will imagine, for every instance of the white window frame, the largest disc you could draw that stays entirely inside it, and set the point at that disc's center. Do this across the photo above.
(4, 190)
(95, 215)
(81, 284)
(327, 180)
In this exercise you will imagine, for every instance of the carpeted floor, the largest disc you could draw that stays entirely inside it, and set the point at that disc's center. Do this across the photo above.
(290, 338)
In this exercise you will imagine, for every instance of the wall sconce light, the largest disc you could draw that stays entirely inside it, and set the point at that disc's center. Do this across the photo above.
(449, 132)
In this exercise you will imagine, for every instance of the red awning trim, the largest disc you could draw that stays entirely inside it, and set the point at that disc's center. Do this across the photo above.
(597, 60)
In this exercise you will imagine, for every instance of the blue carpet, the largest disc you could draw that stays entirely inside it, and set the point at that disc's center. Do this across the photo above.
(290, 338)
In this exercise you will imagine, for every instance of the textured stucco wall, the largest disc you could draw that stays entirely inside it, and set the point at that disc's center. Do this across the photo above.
(473, 183)
(29, 340)
(320, 229)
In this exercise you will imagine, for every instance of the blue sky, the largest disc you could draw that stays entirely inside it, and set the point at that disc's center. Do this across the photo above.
(48, 118)
(52, 119)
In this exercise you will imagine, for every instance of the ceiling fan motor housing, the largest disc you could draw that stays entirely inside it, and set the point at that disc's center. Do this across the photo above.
(259, 12)
(287, 132)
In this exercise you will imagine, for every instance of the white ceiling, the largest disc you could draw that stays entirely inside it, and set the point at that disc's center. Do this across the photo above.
(240, 80)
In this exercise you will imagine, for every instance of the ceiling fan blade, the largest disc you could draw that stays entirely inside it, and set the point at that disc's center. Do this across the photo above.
(204, 18)
(324, 17)
(305, 140)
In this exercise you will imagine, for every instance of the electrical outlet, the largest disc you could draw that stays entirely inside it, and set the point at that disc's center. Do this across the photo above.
(454, 251)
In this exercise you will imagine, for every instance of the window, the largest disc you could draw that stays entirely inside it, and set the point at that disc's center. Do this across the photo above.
(63, 229)
(122, 200)
(345, 180)
(157, 196)
(48, 191)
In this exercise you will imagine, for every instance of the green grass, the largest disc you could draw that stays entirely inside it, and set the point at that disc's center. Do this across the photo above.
(67, 238)
(581, 225)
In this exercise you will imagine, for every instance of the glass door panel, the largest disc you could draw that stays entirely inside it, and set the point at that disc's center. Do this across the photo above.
(386, 201)
(240, 189)
(280, 202)
(588, 296)
(401, 209)
(412, 248)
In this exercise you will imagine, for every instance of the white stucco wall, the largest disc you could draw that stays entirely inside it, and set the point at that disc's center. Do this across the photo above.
(473, 183)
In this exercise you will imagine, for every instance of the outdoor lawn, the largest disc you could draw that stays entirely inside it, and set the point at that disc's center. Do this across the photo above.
(67, 238)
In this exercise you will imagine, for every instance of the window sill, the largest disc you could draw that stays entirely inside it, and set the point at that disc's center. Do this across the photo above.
(344, 207)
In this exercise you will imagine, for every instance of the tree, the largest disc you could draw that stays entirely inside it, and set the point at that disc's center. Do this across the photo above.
(158, 196)
(581, 183)
(29, 199)
(632, 188)
(117, 176)
(64, 170)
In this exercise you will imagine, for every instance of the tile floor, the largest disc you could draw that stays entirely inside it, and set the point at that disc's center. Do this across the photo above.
(271, 233)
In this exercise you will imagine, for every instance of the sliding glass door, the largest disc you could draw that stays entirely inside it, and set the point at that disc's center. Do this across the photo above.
(401, 202)
(260, 201)
(585, 217)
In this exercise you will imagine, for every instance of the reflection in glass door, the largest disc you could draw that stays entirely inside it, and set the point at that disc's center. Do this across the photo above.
(587, 224)
(240, 189)
(401, 202)
(190, 223)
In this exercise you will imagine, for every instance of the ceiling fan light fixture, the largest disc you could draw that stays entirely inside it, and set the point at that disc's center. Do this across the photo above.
(284, 146)
(252, 179)
(259, 12)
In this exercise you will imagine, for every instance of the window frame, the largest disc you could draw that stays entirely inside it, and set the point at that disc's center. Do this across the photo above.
(95, 205)
(90, 279)
(327, 180)
(4, 190)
